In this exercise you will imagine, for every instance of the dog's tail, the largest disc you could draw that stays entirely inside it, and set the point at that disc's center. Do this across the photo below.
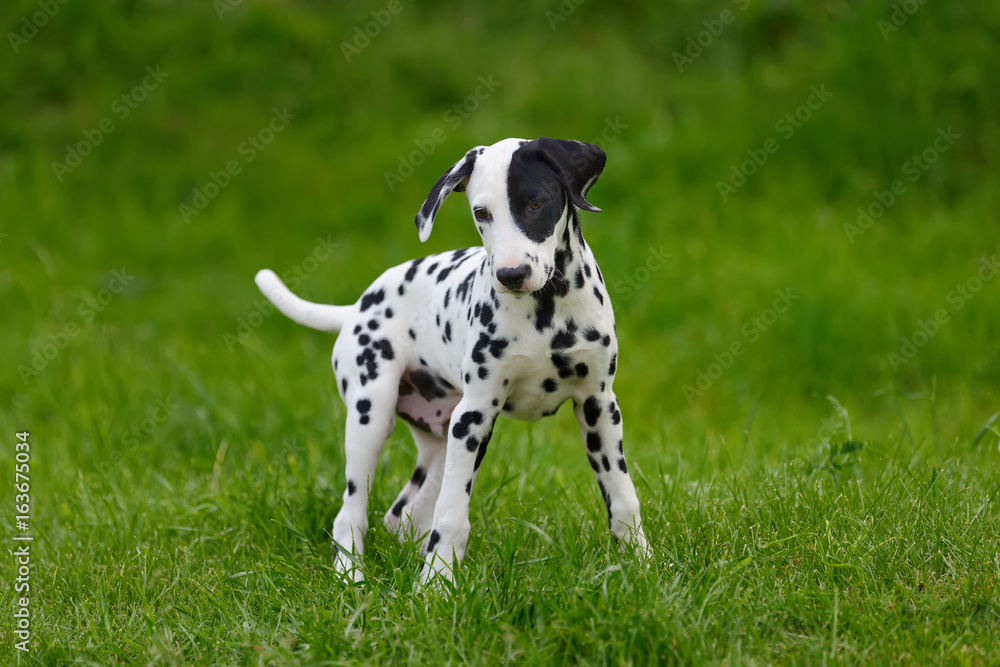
(314, 315)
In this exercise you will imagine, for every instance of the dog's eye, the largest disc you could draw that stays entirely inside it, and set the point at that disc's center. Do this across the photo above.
(535, 204)
(481, 214)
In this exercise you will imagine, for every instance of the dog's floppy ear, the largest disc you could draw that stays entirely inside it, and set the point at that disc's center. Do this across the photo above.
(577, 166)
(454, 179)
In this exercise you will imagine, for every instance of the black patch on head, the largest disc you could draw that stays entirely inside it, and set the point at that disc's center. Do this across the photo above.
(591, 411)
(593, 442)
(529, 180)
(372, 299)
(550, 385)
(351, 488)
(461, 427)
(433, 542)
(419, 475)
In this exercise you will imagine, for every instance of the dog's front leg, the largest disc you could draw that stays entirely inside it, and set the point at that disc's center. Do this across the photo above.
(470, 432)
(600, 422)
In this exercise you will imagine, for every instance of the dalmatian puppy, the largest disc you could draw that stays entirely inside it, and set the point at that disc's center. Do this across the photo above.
(452, 341)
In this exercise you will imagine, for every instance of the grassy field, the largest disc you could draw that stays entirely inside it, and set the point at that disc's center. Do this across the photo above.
(799, 236)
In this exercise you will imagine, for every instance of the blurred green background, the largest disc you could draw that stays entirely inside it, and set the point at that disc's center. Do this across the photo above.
(680, 94)
(564, 70)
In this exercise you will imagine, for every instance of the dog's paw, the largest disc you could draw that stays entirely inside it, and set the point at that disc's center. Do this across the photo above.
(347, 565)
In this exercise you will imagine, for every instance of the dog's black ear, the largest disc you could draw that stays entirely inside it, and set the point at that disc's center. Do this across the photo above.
(577, 166)
(454, 179)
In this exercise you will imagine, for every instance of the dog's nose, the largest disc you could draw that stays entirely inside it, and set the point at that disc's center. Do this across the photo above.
(513, 278)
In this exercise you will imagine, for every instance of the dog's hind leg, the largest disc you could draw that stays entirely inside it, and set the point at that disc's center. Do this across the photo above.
(371, 417)
(412, 513)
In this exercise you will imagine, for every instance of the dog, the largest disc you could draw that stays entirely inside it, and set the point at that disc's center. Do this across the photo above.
(452, 341)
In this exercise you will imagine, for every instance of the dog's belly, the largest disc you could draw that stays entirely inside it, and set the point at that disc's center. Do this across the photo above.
(426, 401)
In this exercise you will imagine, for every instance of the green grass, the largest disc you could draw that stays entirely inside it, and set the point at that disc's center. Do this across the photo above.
(818, 503)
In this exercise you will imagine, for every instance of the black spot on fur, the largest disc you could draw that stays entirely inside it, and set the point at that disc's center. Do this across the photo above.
(484, 372)
(444, 273)
(413, 334)
(472, 443)
(468, 378)
(591, 334)
(607, 464)
(562, 363)
(397, 509)
(613, 365)
(550, 385)
(357, 330)
(364, 419)
(373, 324)
(461, 427)
(468, 488)
(388, 312)
(432, 268)
(372, 299)
(563, 339)
(401, 290)
(411, 272)
(497, 346)
(606, 341)
(363, 406)
(385, 349)
(351, 488)
(447, 332)
(343, 385)
(581, 370)
(579, 278)
(600, 297)
(433, 541)
(593, 442)
(364, 339)
(616, 415)
(622, 466)
(591, 411)
(594, 464)
(419, 475)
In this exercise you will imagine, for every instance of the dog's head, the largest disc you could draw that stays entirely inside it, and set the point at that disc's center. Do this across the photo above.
(522, 195)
